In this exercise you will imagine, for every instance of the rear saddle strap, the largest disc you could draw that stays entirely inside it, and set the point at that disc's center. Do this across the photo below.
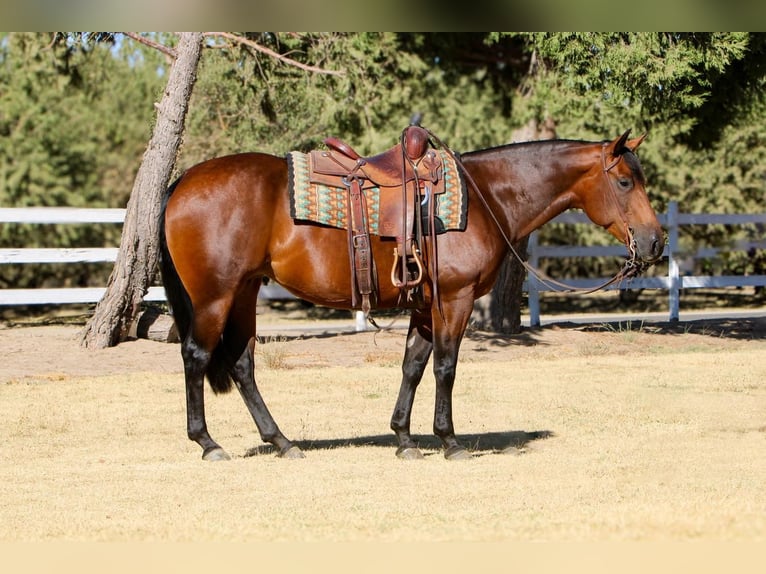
(363, 277)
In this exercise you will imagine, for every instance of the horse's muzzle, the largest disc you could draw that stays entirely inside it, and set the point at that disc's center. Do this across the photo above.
(649, 243)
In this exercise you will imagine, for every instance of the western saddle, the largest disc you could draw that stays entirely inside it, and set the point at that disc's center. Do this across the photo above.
(406, 177)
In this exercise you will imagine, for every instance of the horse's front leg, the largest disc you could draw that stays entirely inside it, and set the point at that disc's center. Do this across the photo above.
(416, 355)
(448, 334)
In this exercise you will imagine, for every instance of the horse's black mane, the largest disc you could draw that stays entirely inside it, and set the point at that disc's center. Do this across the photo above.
(531, 143)
(630, 158)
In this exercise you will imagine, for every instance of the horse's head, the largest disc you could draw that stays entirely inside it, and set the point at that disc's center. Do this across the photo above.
(616, 199)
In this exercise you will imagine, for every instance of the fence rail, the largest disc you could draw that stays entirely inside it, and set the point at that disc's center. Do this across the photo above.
(673, 282)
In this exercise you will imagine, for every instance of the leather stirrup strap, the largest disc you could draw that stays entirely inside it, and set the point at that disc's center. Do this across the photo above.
(359, 247)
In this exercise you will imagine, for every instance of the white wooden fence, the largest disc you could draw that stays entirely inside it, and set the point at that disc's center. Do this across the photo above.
(64, 295)
(674, 282)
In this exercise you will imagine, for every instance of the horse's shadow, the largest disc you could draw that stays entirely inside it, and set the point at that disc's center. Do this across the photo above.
(481, 444)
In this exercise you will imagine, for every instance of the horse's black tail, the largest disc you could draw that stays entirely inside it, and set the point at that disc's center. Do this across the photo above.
(181, 307)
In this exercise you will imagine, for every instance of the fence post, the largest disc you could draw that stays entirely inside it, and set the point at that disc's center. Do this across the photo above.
(360, 321)
(533, 294)
(674, 290)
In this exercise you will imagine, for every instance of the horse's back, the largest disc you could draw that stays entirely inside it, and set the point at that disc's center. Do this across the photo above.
(233, 173)
(226, 189)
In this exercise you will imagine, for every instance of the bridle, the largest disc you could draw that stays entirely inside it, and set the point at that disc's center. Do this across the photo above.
(633, 266)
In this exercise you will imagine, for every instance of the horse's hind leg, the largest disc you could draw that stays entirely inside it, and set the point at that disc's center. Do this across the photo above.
(239, 337)
(416, 355)
(196, 358)
(244, 378)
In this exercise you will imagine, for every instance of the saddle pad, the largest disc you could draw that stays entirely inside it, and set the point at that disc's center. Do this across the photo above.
(325, 204)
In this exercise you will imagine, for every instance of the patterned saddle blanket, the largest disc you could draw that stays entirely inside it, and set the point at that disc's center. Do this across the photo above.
(318, 193)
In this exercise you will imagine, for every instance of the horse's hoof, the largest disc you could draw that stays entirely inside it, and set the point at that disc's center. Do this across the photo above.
(409, 453)
(457, 453)
(215, 454)
(293, 452)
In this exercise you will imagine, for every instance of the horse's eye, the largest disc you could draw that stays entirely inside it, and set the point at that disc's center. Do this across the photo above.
(625, 183)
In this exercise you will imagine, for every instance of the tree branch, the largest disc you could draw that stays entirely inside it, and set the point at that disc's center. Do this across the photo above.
(152, 44)
(264, 50)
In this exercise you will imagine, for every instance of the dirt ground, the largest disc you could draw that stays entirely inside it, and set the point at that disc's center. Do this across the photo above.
(616, 431)
(50, 349)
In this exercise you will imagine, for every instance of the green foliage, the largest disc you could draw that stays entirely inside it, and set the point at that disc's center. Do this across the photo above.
(74, 121)
(245, 100)
(592, 80)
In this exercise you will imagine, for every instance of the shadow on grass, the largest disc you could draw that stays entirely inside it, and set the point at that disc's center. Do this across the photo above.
(505, 442)
(750, 328)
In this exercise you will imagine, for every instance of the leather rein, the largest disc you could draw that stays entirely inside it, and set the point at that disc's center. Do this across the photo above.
(632, 267)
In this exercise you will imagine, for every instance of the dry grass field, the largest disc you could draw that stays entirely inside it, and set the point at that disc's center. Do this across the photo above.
(602, 432)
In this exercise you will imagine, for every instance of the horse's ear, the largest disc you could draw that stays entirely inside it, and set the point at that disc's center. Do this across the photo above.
(618, 145)
(635, 142)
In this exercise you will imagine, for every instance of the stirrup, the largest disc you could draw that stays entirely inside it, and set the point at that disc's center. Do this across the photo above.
(406, 283)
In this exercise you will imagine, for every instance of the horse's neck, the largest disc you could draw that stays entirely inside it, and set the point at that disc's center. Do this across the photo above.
(557, 205)
(526, 185)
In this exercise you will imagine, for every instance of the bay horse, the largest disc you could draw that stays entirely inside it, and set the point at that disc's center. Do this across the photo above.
(225, 224)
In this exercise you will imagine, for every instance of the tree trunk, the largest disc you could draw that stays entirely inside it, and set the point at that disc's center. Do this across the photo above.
(507, 293)
(136, 263)
(500, 310)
